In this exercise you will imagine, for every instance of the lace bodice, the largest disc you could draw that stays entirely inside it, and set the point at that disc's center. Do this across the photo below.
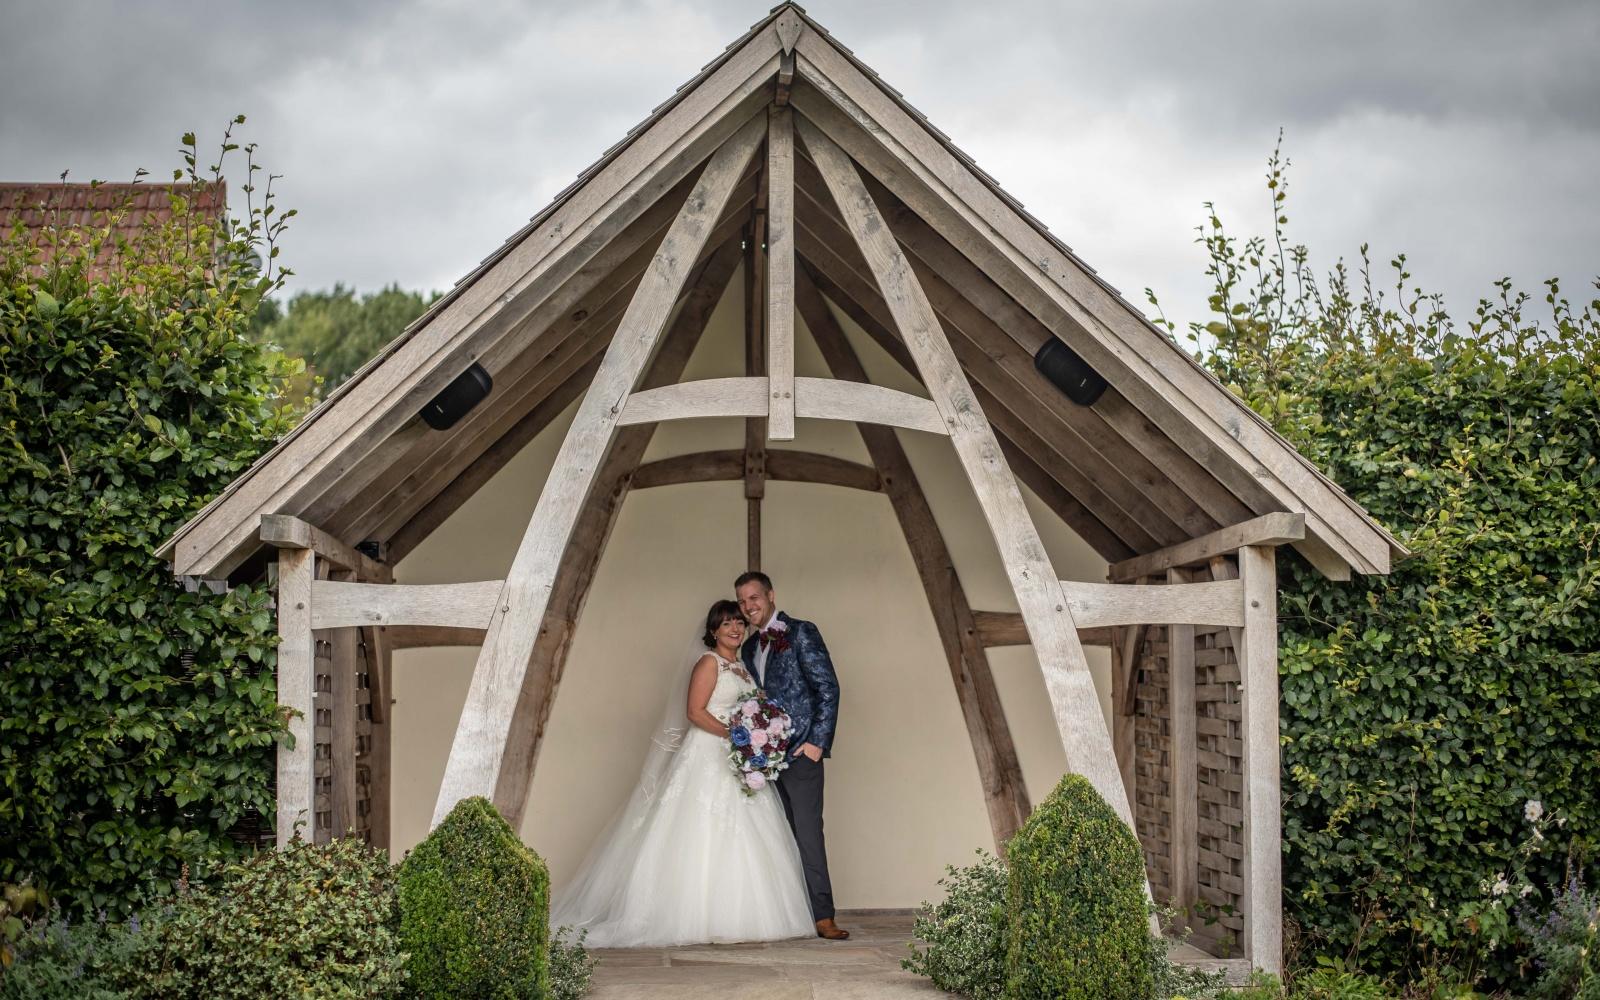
(732, 681)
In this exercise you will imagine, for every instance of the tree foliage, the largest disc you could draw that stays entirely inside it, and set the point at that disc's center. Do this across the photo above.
(138, 719)
(336, 332)
(1424, 710)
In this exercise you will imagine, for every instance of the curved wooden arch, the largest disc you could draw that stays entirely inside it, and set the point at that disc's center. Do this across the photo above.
(817, 398)
(782, 465)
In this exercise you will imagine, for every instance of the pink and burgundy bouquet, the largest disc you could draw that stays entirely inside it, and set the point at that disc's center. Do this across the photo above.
(758, 734)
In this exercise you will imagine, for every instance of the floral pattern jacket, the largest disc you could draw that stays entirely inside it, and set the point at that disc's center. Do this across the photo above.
(799, 677)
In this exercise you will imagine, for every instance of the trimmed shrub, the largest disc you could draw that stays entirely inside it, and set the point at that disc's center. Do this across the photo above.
(138, 719)
(475, 909)
(963, 936)
(307, 920)
(1077, 923)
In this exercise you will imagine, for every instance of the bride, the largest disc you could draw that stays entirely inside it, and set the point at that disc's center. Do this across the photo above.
(692, 859)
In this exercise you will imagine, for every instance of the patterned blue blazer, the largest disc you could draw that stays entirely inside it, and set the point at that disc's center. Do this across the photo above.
(800, 678)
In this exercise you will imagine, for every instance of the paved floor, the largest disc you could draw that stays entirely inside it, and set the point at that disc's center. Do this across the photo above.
(866, 967)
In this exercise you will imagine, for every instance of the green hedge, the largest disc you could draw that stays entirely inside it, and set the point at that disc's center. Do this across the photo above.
(304, 921)
(1422, 711)
(139, 720)
(1077, 922)
(475, 909)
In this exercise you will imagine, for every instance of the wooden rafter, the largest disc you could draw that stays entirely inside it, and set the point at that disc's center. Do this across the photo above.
(1073, 497)
(477, 752)
(1038, 590)
(1005, 792)
(582, 557)
(1174, 393)
(1145, 507)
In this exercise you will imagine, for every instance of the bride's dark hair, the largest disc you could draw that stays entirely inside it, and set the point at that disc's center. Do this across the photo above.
(720, 612)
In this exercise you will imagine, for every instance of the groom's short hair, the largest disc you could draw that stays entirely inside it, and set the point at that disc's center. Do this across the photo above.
(754, 576)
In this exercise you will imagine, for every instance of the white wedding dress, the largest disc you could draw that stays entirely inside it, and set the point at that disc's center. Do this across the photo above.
(691, 859)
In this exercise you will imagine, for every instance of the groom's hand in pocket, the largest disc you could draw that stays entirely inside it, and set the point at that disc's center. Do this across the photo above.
(811, 751)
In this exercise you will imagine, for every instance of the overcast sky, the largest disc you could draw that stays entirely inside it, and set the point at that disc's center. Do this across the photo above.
(415, 136)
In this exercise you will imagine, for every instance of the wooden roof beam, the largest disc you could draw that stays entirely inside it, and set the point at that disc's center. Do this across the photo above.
(852, 110)
(1268, 529)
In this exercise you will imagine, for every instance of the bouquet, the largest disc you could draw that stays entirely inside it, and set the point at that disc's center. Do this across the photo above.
(758, 735)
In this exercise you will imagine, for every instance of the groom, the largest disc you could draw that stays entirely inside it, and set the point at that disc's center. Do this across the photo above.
(787, 658)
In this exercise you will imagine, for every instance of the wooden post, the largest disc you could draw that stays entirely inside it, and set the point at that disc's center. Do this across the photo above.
(477, 752)
(780, 274)
(1004, 792)
(589, 537)
(1040, 598)
(1258, 699)
(342, 711)
(1124, 671)
(1181, 759)
(380, 685)
(297, 569)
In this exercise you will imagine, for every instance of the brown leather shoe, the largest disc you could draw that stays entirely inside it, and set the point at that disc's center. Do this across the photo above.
(826, 928)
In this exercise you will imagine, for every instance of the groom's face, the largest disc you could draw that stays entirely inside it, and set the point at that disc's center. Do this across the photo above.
(756, 603)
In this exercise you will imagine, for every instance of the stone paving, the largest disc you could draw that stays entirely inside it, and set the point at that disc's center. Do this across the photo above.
(866, 967)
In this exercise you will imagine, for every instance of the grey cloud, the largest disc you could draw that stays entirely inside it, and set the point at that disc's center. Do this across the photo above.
(414, 137)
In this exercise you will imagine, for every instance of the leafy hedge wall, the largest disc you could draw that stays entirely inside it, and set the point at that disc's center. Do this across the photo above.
(139, 720)
(1425, 710)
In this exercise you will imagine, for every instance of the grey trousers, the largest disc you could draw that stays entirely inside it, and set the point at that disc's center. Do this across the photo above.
(800, 788)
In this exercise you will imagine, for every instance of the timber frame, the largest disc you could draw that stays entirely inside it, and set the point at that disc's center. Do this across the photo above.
(787, 160)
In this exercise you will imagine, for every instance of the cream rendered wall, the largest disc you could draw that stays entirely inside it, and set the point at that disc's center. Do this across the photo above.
(903, 797)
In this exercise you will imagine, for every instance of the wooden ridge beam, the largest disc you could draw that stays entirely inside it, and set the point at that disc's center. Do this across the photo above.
(1268, 529)
(477, 752)
(1004, 790)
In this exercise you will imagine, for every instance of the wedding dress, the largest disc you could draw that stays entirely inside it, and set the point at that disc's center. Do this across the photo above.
(691, 859)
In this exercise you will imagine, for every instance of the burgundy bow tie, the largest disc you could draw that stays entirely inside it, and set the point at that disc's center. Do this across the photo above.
(769, 636)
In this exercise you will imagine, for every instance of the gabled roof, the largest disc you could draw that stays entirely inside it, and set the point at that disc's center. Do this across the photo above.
(1195, 456)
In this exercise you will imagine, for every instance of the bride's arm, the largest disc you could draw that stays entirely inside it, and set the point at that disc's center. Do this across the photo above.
(701, 683)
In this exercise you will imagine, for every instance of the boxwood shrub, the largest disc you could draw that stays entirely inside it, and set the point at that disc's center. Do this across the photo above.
(1077, 922)
(475, 909)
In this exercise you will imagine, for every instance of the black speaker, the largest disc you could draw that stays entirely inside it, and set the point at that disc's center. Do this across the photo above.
(1069, 373)
(458, 398)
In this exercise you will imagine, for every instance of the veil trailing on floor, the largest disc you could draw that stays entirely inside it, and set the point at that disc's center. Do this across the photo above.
(594, 886)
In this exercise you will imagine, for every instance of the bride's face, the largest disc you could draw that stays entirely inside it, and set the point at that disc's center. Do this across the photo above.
(731, 631)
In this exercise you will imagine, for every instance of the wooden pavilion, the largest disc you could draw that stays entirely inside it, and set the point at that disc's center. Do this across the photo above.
(788, 156)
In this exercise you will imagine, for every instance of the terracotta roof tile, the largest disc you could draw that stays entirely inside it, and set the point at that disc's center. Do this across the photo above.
(43, 206)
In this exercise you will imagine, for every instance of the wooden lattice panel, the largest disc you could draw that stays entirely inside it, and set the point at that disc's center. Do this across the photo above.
(322, 735)
(1152, 762)
(326, 765)
(1218, 927)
